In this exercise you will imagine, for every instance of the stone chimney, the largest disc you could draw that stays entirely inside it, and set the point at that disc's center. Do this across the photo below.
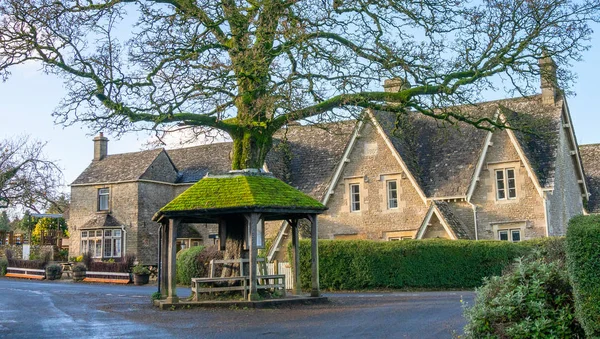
(548, 80)
(395, 85)
(100, 147)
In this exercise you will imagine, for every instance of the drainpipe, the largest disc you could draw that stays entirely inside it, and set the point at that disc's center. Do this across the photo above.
(160, 226)
(474, 218)
(124, 240)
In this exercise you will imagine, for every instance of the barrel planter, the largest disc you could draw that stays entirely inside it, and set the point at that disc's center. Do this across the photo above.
(141, 279)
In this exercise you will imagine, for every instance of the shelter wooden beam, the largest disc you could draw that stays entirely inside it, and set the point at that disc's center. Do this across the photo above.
(314, 250)
(296, 252)
(253, 219)
(164, 259)
(172, 253)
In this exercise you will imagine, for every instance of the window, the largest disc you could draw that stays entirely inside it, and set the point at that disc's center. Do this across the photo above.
(97, 241)
(354, 197)
(509, 235)
(506, 187)
(399, 238)
(103, 197)
(392, 193)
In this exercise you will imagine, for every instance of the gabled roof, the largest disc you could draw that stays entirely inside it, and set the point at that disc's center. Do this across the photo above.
(118, 167)
(443, 158)
(590, 156)
(453, 225)
(101, 220)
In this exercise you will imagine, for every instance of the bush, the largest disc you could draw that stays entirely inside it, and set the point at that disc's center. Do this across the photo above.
(436, 263)
(194, 262)
(79, 268)
(533, 300)
(3, 266)
(140, 269)
(53, 271)
(583, 261)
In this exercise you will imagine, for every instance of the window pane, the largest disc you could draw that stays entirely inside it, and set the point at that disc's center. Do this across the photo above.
(392, 194)
(108, 248)
(503, 235)
(107, 233)
(99, 233)
(117, 233)
(516, 235)
(501, 195)
(84, 234)
(510, 173)
(98, 249)
(512, 189)
(354, 198)
(117, 248)
(499, 175)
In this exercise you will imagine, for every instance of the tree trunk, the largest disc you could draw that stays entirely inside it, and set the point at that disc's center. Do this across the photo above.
(234, 245)
(250, 148)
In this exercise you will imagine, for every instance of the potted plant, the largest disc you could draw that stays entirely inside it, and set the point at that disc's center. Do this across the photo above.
(79, 272)
(141, 274)
(53, 272)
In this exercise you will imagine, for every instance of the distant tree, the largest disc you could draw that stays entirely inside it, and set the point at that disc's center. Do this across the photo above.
(48, 224)
(4, 222)
(27, 178)
(59, 205)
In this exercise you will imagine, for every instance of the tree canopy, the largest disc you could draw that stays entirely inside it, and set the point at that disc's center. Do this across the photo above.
(250, 67)
(27, 178)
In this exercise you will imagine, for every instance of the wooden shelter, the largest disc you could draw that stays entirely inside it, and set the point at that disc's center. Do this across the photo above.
(245, 199)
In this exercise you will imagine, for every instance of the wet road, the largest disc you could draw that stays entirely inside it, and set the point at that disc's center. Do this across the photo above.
(33, 309)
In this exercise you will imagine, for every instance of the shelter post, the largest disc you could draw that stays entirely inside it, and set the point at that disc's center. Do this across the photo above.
(253, 219)
(314, 250)
(172, 253)
(295, 248)
(164, 259)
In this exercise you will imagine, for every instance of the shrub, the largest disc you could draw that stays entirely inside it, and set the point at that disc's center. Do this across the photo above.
(3, 266)
(361, 264)
(140, 269)
(188, 266)
(583, 261)
(533, 300)
(53, 271)
(79, 268)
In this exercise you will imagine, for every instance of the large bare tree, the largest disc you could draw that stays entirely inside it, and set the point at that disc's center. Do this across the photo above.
(27, 178)
(250, 67)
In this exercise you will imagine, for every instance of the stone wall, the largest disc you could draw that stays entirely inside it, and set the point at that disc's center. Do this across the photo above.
(371, 165)
(527, 210)
(153, 196)
(565, 201)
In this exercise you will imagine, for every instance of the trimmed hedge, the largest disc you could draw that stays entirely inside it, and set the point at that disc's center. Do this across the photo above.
(436, 263)
(583, 262)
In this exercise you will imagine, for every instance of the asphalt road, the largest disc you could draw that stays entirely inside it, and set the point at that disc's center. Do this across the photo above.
(34, 309)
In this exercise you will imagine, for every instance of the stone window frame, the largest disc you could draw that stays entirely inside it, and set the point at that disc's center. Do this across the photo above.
(388, 194)
(400, 235)
(509, 228)
(506, 187)
(101, 196)
(504, 165)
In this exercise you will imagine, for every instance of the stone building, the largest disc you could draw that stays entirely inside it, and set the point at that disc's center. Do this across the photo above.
(424, 180)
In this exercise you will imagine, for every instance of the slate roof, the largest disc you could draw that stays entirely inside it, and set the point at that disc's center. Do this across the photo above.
(460, 229)
(590, 156)
(443, 158)
(118, 167)
(193, 163)
(100, 221)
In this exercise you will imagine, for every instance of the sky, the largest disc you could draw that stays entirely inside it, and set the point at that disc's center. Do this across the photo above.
(28, 98)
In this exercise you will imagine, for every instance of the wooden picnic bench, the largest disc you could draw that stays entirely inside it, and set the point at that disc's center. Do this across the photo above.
(25, 273)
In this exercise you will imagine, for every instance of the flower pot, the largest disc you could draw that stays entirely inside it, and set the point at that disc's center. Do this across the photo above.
(53, 276)
(78, 275)
(141, 279)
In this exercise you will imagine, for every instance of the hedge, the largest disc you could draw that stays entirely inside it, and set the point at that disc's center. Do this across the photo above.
(583, 262)
(436, 263)
(194, 262)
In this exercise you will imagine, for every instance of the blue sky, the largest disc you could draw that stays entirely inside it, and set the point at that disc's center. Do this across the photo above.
(28, 98)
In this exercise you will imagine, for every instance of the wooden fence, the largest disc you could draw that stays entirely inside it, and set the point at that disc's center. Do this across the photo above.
(283, 268)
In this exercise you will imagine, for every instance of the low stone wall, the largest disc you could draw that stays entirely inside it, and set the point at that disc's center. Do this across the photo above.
(35, 251)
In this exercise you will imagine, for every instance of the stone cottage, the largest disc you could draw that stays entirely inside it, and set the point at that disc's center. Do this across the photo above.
(424, 180)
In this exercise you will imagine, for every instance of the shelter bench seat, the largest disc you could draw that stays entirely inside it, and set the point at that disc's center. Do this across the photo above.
(25, 273)
(274, 281)
(196, 282)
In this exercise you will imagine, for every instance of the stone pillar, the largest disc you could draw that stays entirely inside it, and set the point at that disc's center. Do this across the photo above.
(172, 253)
(164, 259)
(295, 245)
(314, 250)
(252, 219)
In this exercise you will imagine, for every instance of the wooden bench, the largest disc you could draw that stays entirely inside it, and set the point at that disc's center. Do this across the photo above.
(196, 282)
(25, 273)
(274, 281)
(107, 277)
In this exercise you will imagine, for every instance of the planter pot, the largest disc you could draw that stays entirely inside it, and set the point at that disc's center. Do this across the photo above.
(79, 275)
(51, 276)
(141, 279)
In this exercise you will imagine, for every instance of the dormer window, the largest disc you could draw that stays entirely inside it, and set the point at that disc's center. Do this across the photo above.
(103, 199)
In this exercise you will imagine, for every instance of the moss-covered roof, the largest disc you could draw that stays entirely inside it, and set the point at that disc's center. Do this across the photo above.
(241, 191)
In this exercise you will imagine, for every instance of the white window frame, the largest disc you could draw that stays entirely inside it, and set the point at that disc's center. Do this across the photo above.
(510, 234)
(96, 241)
(392, 194)
(505, 185)
(103, 195)
(354, 197)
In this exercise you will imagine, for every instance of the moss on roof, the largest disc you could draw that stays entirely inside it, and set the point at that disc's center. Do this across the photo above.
(241, 191)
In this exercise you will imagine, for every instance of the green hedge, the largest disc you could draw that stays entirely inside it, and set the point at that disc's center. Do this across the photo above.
(363, 264)
(583, 262)
(187, 264)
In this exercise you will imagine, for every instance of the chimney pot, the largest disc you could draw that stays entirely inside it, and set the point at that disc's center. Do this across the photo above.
(395, 85)
(548, 80)
(100, 147)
